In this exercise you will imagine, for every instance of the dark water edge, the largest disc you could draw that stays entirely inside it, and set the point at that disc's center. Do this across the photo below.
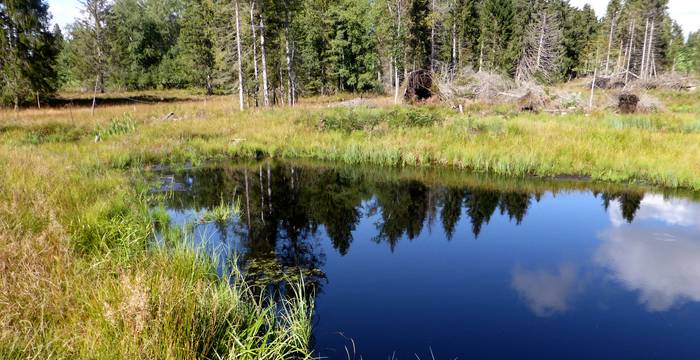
(409, 261)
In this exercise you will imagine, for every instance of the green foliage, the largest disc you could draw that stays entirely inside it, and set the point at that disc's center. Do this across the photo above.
(116, 126)
(29, 50)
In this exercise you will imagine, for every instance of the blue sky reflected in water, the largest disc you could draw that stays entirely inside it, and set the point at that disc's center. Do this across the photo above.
(468, 271)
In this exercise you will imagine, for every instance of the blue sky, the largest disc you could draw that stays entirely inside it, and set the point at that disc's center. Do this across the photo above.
(686, 12)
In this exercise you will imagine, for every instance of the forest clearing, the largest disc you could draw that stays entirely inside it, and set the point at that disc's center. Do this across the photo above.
(302, 179)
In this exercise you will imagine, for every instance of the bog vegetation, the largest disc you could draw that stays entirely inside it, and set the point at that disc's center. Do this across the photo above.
(83, 274)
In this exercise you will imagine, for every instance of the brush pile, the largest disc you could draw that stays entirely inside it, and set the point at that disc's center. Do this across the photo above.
(483, 86)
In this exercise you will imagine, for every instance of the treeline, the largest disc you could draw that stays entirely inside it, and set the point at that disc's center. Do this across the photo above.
(273, 51)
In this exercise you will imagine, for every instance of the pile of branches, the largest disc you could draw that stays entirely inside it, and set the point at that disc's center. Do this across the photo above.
(669, 81)
(467, 84)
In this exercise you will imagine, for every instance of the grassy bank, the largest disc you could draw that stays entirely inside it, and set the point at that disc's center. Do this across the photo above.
(661, 148)
(80, 279)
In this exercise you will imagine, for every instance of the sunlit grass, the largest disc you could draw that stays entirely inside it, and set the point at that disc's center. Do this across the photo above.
(222, 212)
(81, 278)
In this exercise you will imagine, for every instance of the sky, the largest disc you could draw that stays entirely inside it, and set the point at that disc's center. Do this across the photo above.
(686, 12)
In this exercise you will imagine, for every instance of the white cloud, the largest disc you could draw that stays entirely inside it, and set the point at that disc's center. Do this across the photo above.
(546, 293)
(661, 263)
(679, 212)
(660, 260)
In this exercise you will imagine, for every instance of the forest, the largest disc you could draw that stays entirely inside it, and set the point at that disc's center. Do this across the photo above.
(274, 52)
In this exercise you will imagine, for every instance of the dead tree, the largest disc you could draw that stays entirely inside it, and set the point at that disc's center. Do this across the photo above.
(613, 20)
(255, 52)
(263, 60)
(542, 48)
(240, 57)
(289, 54)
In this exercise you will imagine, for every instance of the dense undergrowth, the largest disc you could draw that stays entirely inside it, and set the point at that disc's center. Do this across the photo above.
(82, 279)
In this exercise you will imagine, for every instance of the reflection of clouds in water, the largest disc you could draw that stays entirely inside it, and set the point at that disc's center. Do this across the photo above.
(662, 262)
(545, 293)
(680, 212)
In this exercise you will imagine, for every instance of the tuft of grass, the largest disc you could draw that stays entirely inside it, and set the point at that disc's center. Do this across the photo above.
(120, 125)
(222, 212)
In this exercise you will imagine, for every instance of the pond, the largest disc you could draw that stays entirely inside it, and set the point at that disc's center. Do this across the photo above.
(425, 263)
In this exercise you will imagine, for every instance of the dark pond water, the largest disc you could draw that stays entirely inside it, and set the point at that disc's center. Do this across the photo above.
(409, 262)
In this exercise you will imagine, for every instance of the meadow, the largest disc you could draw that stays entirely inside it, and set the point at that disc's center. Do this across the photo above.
(82, 278)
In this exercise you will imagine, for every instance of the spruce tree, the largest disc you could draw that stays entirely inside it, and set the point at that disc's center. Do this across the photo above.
(29, 50)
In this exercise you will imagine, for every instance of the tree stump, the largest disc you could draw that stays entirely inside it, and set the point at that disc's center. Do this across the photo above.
(627, 103)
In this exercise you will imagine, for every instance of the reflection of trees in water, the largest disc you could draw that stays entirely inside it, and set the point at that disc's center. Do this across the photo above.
(629, 203)
(403, 207)
(284, 207)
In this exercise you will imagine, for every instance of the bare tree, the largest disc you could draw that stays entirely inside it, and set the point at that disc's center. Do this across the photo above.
(263, 59)
(289, 54)
(255, 51)
(240, 57)
(542, 48)
(613, 21)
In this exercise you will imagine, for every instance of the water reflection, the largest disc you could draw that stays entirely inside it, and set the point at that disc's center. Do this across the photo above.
(659, 261)
(546, 293)
(545, 252)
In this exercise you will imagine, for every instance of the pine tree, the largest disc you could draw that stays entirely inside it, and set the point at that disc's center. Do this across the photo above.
(29, 50)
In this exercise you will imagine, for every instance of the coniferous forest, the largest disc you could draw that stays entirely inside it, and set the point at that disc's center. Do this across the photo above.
(278, 51)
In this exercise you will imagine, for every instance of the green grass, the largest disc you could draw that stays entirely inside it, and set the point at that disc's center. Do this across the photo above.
(222, 212)
(81, 278)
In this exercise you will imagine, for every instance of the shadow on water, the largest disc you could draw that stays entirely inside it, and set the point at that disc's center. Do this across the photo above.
(325, 223)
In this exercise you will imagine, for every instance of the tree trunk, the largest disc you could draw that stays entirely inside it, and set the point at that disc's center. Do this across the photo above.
(595, 75)
(650, 51)
(481, 56)
(607, 58)
(629, 52)
(432, 38)
(266, 92)
(540, 44)
(642, 70)
(94, 96)
(289, 56)
(454, 47)
(240, 57)
(255, 52)
(396, 84)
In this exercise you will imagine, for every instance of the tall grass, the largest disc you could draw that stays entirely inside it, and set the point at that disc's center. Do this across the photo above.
(83, 279)
(80, 279)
